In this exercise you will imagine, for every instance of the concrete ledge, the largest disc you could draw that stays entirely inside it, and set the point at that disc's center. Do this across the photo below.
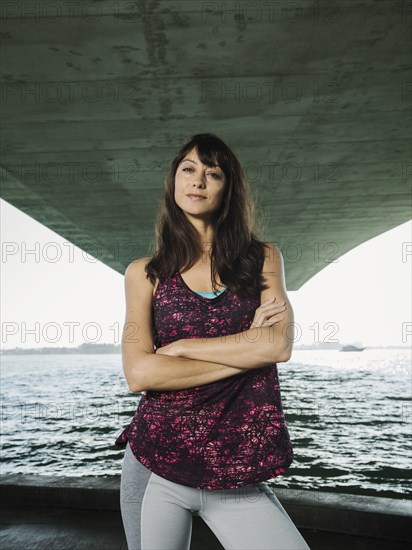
(381, 518)
(38, 528)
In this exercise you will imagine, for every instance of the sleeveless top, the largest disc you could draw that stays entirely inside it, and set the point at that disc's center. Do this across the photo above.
(222, 435)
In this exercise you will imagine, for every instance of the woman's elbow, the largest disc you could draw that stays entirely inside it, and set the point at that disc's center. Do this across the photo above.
(134, 388)
(285, 358)
(134, 375)
(285, 354)
(134, 383)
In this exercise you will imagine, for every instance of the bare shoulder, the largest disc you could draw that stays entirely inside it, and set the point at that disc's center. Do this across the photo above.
(135, 274)
(137, 266)
(273, 259)
(274, 275)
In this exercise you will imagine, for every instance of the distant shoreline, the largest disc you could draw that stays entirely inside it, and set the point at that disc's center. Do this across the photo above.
(84, 348)
(110, 349)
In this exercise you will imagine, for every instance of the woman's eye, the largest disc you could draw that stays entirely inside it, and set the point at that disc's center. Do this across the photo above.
(214, 174)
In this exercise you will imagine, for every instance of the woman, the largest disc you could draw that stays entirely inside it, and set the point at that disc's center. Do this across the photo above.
(209, 429)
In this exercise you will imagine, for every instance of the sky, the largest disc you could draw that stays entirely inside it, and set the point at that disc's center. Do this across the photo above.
(54, 295)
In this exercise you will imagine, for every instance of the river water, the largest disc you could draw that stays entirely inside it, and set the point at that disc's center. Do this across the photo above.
(348, 415)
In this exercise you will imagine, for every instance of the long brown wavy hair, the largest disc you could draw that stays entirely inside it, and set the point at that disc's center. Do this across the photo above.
(237, 254)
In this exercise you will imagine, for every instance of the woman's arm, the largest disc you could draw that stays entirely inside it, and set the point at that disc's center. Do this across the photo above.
(144, 369)
(270, 342)
(251, 349)
(163, 372)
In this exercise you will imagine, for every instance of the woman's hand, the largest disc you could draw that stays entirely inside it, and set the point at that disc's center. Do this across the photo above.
(171, 349)
(269, 313)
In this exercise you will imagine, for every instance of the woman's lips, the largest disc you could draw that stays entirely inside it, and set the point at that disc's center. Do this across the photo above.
(195, 198)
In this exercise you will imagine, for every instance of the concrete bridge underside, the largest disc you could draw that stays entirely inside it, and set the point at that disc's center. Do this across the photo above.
(314, 97)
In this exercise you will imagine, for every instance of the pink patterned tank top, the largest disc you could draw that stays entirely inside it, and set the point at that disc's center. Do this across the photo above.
(226, 434)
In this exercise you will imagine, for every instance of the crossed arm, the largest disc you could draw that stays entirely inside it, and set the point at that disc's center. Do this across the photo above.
(219, 358)
(255, 347)
(250, 349)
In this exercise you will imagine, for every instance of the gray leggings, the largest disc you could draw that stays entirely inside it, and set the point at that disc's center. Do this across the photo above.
(157, 513)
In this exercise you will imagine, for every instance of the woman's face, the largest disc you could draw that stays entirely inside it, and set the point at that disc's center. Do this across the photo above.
(193, 177)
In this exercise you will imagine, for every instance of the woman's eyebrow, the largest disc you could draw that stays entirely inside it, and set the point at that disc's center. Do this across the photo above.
(194, 162)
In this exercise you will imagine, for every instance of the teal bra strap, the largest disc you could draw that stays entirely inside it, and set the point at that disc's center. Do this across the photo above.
(210, 294)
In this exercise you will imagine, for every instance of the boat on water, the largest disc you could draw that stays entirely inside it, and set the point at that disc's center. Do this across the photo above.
(350, 347)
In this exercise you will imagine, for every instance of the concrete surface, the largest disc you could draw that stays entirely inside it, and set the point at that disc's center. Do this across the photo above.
(54, 512)
(314, 97)
(68, 529)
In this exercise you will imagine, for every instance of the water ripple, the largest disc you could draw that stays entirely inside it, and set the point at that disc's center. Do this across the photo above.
(348, 414)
